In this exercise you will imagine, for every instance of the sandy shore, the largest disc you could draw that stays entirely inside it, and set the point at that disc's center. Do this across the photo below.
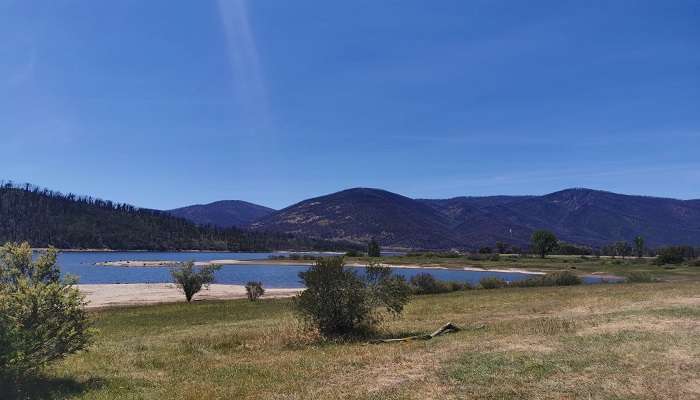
(164, 263)
(113, 295)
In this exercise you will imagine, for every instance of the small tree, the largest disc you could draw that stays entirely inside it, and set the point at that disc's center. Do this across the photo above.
(254, 290)
(190, 280)
(544, 242)
(373, 249)
(639, 246)
(42, 318)
(339, 301)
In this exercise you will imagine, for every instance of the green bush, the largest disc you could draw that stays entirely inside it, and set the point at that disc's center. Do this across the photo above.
(671, 255)
(425, 283)
(42, 318)
(254, 290)
(190, 280)
(338, 301)
(492, 283)
(564, 278)
(639, 277)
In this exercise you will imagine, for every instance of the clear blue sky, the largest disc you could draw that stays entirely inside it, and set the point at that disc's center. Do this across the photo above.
(168, 103)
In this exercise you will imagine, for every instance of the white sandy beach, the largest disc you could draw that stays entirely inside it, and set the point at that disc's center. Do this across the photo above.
(113, 295)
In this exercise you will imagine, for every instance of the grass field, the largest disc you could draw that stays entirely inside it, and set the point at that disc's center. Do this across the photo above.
(616, 341)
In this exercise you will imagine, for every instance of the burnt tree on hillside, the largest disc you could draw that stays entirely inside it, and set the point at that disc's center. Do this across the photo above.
(44, 217)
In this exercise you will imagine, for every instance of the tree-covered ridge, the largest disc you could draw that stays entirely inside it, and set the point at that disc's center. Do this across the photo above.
(44, 217)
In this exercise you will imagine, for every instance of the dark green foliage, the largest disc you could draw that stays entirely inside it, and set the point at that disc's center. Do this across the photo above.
(41, 317)
(640, 277)
(373, 249)
(191, 280)
(425, 283)
(254, 290)
(338, 301)
(573, 250)
(47, 218)
(485, 250)
(674, 254)
(543, 242)
(564, 278)
(492, 283)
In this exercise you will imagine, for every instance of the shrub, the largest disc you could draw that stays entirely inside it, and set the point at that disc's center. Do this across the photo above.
(564, 278)
(254, 290)
(492, 283)
(338, 301)
(42, 318)
(190, 280)
(671, 255)
(425, 283)
(639, 277)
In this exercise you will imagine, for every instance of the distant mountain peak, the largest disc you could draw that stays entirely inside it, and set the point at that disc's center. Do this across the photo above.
(223, 213)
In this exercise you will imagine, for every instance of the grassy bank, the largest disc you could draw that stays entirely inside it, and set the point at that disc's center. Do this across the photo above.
(603, 341)
(578, 264)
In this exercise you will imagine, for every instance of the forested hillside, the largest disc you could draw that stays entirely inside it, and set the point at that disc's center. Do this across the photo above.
(44, 217)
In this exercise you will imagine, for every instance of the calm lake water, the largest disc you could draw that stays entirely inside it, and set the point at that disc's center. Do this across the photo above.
(82, 265)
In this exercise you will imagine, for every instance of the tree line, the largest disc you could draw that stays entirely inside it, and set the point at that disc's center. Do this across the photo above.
(49, 218)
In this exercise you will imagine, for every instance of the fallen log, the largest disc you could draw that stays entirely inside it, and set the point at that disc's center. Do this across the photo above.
(447, 328)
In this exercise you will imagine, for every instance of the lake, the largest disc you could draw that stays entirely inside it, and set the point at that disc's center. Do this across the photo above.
(82, 265)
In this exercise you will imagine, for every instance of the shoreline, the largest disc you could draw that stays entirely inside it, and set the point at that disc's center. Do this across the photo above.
(138, 294)
(296, 263)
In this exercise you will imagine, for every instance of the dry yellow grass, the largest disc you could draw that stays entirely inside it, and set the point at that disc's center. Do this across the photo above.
(600, 342)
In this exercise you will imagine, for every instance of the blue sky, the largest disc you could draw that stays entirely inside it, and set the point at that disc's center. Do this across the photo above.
(164, 103)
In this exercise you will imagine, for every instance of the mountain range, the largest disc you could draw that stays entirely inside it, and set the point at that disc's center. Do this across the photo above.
(580, 216)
